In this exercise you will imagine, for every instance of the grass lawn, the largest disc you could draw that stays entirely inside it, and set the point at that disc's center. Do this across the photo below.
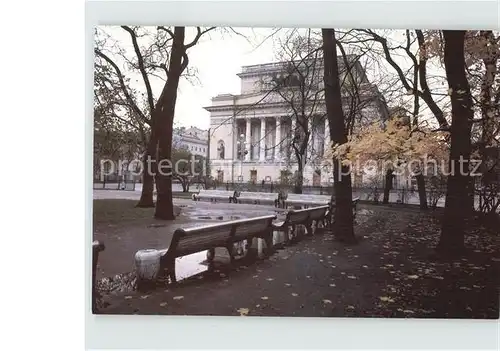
(112, 211)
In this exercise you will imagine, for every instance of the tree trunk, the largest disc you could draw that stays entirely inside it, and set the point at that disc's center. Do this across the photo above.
(451, 241)
(299, 180)
(469, 206)
(164, 203)
(387, 186)
(422, 194)
(185, 185)
(146, 199)
(343, 227)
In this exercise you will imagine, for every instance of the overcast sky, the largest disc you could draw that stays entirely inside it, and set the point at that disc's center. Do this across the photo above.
(217, 57)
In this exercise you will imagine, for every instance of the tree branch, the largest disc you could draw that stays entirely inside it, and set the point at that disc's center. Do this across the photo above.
(198, 36)
(142, 69)
(131, 101)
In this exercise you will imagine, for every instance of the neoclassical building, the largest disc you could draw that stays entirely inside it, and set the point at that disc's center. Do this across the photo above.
(193, 139)
(250, 134)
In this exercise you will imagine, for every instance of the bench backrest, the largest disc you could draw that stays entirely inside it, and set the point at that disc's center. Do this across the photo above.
(309, 197)
(354, 202)
(245, 229)
(304, 215)
(217, 192)
(256, 194)
(317, 213)
(196, 239)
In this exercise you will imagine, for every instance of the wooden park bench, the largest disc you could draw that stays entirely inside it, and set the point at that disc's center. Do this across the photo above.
(161, 263)
(260, 198)
(311, 218)
(331, 212)
(306, 200)
(97, 247)
(214, 195)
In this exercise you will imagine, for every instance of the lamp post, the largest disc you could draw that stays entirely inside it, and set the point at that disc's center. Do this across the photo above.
(242, 153)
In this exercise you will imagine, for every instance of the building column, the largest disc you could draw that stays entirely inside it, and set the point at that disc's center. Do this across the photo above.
(292, 136)
(277, 146)
(248, 143)
(327, 136)
(262, 140)
(312, 138)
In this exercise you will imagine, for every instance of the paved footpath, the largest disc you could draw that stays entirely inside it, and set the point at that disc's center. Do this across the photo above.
(309, 279)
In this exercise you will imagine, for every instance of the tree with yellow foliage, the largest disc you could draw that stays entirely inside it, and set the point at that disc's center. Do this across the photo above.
(394, 148)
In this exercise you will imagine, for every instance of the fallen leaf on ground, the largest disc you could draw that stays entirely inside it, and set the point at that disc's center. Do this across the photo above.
(365, 266)
(385, 299)
(286, 284)
(332, 285)
(128, 297)
(327, 301)
(163, 304)
(264, 298)
(351, 277)
(178, 297)
(270, 279)
(144, 297)
(294, 294)
(350, 307)
(255, 276)
(413, 276)
(243, 311)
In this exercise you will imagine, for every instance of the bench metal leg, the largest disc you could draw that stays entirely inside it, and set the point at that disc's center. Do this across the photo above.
(309, 228)
(97, 247)
(251, 252)
(171, 270)
(210, 259)
(268, 238)
(230, 251)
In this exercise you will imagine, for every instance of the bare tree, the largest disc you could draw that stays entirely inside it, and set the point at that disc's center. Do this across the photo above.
(298, 88)
(413, 80)
(163, 119)
(149, 60)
